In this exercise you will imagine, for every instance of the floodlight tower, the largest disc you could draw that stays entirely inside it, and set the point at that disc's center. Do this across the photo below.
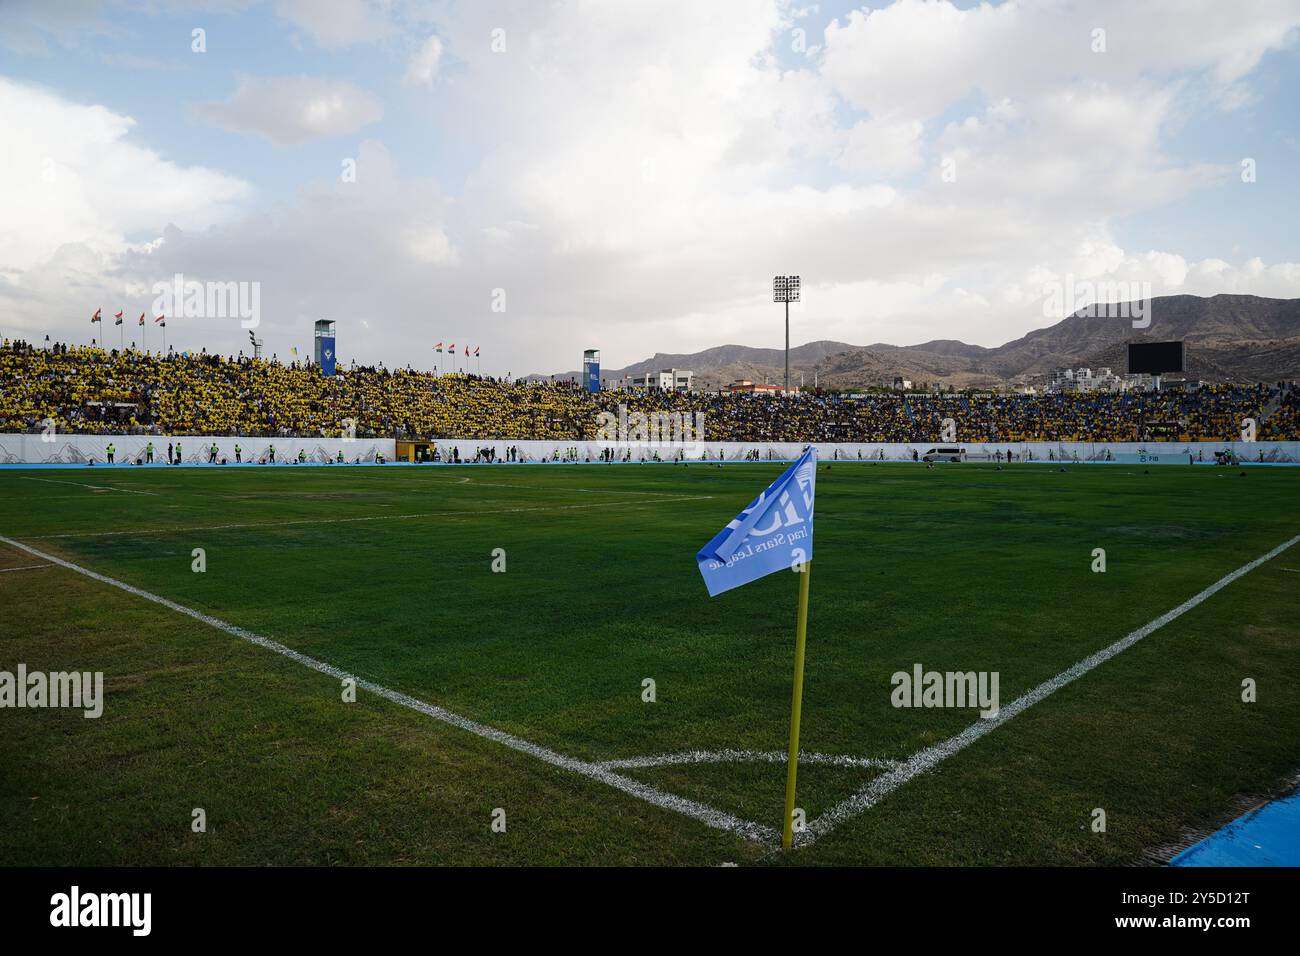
(786, 289)
(257, 344)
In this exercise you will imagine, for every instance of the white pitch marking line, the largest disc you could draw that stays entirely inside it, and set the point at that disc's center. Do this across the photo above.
(744, 756)
(875, 791)
(43, 498)
(590, 491)
(707, 815)
(439, 481)
(81, 484)
(423, 514)
(1292, 570)
(27, 567)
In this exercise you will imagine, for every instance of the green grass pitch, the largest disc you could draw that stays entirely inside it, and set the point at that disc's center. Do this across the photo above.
(386, 573)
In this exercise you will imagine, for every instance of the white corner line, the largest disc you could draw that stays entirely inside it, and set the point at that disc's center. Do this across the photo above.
(26, 567)
(744, 756)
(707, 815)
(925, 760)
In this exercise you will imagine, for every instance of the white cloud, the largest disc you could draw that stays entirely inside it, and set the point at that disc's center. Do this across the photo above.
(633, 185)
(918, 57)
(26, 26)
(72, 175)
(339, 23)
(883, 146)
(288, 110)
(423, 68)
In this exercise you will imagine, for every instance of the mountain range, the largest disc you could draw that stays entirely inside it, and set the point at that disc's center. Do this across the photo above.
(1229, 338)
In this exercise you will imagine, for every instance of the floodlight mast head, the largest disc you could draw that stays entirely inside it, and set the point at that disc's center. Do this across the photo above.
(786, 289)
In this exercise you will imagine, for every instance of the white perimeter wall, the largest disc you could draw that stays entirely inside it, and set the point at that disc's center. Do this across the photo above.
(75, 449)
(895, 451)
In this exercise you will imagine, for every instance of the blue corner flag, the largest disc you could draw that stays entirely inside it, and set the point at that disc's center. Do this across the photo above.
(774, 533)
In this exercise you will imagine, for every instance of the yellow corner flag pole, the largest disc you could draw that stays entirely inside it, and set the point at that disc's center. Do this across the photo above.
(796, 706)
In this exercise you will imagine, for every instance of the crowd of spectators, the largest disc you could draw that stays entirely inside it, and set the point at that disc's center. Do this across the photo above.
(97, 391)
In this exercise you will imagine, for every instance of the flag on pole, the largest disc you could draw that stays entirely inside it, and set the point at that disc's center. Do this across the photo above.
(117, 320)
(161, 320)
(142, 318)
(452, 348)
(438, 347)
(476, 348)
(95, 318)
(773, 533)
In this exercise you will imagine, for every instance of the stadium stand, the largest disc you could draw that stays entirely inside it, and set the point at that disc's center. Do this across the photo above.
(91, 390)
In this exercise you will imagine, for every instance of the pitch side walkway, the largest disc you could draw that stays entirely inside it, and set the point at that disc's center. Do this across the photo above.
(1268, 836)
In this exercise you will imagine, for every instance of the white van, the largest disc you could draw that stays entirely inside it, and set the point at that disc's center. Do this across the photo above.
(950, 453)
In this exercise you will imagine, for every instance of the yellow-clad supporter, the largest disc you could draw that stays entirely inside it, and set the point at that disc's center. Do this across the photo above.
(92, 390)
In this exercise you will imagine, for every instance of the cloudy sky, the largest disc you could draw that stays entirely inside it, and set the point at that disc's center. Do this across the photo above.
(534, 178)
